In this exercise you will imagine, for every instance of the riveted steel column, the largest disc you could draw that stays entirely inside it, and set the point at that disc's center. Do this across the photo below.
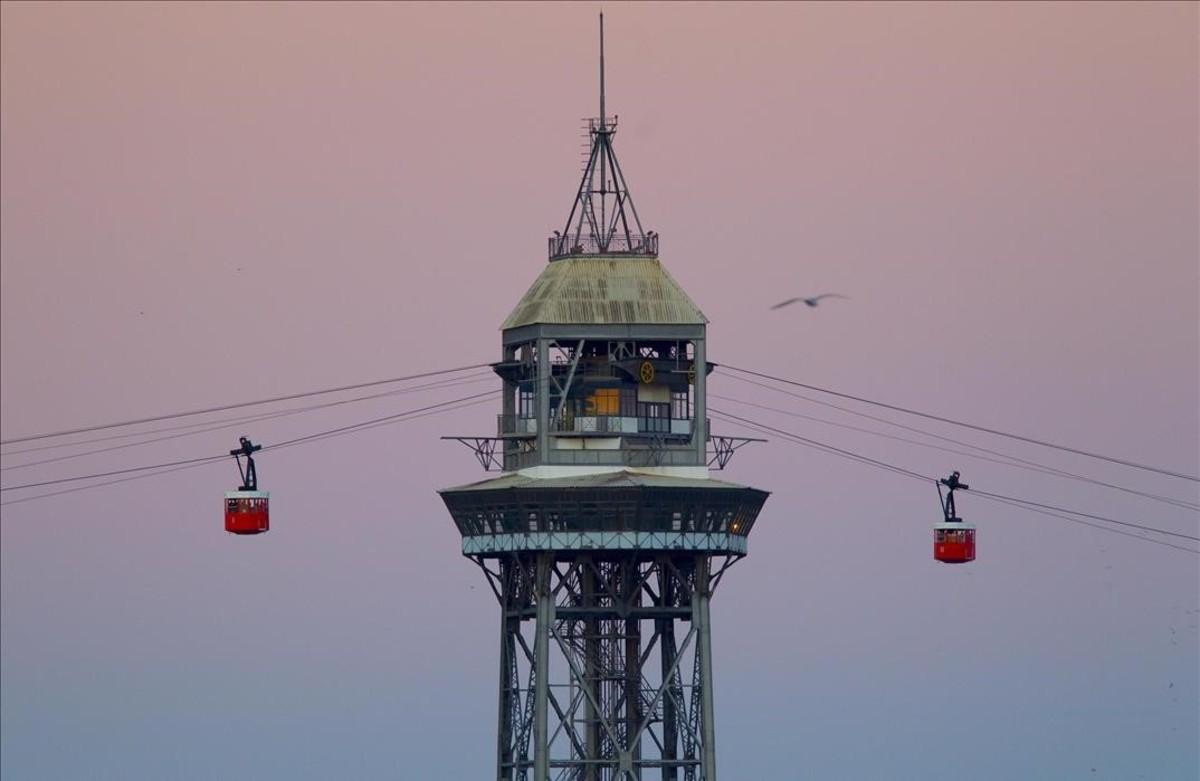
(508, 410)
(543, 401)
(702, 619)
(700, 404)
(667, 650)
(508, 402)
(632, 597)
(545, 617)
(504, 754)
(591, 644)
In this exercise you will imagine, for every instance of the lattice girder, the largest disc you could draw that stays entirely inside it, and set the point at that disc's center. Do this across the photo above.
(620, 630)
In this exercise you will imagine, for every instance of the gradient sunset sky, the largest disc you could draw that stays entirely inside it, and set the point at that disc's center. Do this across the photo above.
(209, 203)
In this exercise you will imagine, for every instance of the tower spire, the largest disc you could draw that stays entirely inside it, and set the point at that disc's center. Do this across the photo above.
(603, 219)
(602, 119)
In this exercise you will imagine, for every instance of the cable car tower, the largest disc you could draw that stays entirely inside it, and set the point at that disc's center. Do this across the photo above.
(604, 536)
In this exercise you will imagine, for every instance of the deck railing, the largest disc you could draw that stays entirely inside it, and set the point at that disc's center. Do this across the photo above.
(620, 245)
(515, 424)
(508, 425)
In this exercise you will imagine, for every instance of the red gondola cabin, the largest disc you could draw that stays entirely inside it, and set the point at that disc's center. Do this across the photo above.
(247, 512)
(954, 542)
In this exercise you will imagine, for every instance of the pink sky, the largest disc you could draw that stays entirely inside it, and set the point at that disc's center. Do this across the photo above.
(204, 203)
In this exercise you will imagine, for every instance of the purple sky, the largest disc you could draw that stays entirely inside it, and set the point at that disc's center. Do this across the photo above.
(212, 203)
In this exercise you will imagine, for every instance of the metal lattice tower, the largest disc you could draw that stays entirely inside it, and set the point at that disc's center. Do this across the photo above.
(604, 537)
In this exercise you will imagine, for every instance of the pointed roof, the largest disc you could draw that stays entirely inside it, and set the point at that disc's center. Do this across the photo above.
(604, 267)
(604, 291)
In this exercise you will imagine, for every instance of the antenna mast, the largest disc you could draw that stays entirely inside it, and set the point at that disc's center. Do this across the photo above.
(602, 120)
(603, 219)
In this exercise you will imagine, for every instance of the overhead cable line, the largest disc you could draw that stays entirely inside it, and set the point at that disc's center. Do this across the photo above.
(446, 383)
(886, 421)
(411, 415)
(1081, 514)
(918, 475)
(796, 438)
(986, 430)
(251, 419)
(1004, 459)
(223, 407)
(205, 459)
(1082, 522)
(131, 434)
(368, 425)
(944, 438)
(139, 476)
(823, 446)
(377, 421)
(186, 461)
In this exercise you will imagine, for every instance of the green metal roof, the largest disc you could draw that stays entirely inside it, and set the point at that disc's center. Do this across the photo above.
(603, 291)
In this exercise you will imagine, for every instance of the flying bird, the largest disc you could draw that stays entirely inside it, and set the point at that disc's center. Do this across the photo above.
(810, 301)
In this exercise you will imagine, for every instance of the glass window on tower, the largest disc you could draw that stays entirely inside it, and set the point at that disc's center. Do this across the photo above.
(526, 402)
(605, 401)
(681, 407)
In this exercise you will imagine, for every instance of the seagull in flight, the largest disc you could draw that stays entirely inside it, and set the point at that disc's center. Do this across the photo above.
(810, 301)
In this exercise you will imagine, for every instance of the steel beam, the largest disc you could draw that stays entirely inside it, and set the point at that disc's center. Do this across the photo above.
(669, 660)
(545, 620)
(543, 396)
(703, 622)
(504, 705)
(591, 631)
(699, 410)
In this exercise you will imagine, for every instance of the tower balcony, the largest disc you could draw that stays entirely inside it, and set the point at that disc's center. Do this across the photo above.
(630, 245)
(604, 512)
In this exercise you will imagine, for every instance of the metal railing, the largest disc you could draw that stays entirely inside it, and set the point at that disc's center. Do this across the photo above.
(634, 245)
(596, 424)
(679, 454)
(515, 424)
(621, 424)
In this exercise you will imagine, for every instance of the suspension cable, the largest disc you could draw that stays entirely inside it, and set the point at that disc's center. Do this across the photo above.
(411, 415)
(206, 459)
(242, 420)
(238, 405)
(986, 430)
(1004, 459)
(797, 439)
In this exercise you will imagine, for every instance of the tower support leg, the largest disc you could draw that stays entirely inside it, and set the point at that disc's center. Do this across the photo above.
(591, 644)
(667, 650)
(631, 590)
(504, 718)
(703, 623)
(545, 616)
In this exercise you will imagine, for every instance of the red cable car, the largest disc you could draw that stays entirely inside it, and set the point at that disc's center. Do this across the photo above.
(247, 510)
(953, 540)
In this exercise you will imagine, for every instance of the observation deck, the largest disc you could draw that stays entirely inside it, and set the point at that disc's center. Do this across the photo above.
(618, 245)
(611, 511)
